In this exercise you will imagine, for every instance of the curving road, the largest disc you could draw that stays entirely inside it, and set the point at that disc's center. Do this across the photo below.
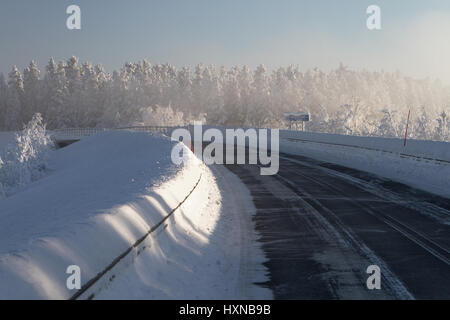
(322, 225)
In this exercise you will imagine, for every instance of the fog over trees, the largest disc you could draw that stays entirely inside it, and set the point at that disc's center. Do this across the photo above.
(74, 94)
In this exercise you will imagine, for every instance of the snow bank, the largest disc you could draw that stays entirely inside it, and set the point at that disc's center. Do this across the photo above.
(102, 194)
(421, 164)
(209, 250)
(105, 193)
(415, 148)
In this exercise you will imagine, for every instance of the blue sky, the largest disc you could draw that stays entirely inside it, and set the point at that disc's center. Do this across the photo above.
(415, 38)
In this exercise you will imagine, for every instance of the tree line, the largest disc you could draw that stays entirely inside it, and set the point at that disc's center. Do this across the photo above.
(74, 94)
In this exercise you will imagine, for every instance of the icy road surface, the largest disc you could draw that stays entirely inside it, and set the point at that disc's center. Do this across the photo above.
(322, 225)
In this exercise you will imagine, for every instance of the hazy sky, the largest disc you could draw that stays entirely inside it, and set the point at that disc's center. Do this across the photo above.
(415, 35)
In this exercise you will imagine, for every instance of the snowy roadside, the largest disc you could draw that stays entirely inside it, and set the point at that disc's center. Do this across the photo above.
(100, 195)
(424, 174)
(421, 164)
(103, 194)
(417, 148)
(208, 250)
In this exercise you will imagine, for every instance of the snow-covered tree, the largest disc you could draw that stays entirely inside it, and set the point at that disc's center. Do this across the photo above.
(259, 106)
(55, 95)
(340, 101)
(3, 97)
(32, 92)
(443, 128)
(73, 100)
(162, 116)
(14, 99)
(25, 160)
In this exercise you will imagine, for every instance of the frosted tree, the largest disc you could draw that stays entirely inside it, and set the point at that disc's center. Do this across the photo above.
(168, 82)
(3, 96)
(210, 91)
(162, 116)
(144, 78)
(32, 92)
(421, 127)
(211, 94)
(55, 95)
(73, 101)
(231, 113)
(245, 81)
(140, 80)
(14, 99)
(442, 129)
(103, 81)
(25, 159)
(339, 101)
(131, 106)
(114, 100)
(392, 124)
(199, 90)
(259, 107)
(386, 128)
(88, 110)
(315, 101)
(184, 95)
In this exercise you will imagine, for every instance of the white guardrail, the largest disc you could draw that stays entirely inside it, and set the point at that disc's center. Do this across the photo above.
(429, 151)
(80, 133)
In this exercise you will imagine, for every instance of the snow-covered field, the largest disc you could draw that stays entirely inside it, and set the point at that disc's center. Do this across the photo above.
(104, 193)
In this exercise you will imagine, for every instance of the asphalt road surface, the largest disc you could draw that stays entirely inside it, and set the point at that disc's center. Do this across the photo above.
(322, 225)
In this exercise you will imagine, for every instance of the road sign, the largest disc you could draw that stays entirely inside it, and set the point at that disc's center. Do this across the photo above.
(296, 116)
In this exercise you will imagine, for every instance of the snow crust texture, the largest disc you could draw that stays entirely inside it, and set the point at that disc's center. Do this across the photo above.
(107, 191)
(101, 195)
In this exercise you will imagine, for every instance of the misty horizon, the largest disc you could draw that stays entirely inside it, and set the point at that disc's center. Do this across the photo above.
(413, 39)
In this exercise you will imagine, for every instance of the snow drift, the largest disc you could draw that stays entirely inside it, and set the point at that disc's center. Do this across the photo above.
(207, 250)
(103, 194)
